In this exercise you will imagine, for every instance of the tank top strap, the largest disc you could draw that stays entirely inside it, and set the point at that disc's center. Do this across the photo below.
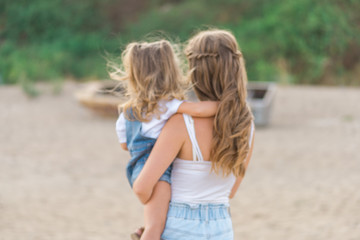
(189, 122)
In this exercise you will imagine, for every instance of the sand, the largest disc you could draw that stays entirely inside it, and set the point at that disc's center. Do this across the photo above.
(62, 170)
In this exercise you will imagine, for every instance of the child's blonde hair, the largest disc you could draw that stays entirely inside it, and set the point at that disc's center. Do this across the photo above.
(152, 72)
(217, 70)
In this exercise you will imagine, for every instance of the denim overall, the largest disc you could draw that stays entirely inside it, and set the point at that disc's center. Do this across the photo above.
(139, 147)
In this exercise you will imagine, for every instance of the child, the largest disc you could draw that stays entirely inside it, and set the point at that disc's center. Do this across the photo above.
(155, 88)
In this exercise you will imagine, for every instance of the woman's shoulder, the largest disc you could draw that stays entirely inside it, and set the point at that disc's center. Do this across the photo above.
(204, 122)
(176, 123)
(175, 127)
(176, 119)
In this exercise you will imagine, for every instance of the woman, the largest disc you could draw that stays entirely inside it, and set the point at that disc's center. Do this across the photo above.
(211, 154)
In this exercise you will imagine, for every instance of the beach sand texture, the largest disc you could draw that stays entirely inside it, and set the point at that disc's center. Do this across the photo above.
(62, 172)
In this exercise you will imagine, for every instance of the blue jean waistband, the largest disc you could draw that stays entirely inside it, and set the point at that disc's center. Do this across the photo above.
(200, 205)
(199, 211)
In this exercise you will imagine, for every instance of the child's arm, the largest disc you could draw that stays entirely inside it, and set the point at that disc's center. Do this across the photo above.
(121, 131)
(199, 109)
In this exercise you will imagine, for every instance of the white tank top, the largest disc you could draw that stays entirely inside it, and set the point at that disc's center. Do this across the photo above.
(193, 181)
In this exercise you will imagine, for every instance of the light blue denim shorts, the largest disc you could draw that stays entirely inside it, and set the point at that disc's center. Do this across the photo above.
(198, 222)
(132, 176)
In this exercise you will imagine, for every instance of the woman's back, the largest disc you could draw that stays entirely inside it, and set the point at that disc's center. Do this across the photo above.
(203, 131)
(192, 178)
(199, 207)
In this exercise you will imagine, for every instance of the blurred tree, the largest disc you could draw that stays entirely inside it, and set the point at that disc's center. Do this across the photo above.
(304, 40)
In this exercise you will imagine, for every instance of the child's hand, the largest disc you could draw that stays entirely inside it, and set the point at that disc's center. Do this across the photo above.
(199, 109)
(124, 146)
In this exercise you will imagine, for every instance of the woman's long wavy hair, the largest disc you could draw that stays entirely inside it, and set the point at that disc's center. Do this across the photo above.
(152, 73)
(217, 71)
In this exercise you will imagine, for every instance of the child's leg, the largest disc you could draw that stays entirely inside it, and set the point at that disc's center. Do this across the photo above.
(155, 211)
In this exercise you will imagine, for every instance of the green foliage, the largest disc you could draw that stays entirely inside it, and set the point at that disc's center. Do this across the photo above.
(177, 20)
(306, 39)
(302, 41)
(41, 40)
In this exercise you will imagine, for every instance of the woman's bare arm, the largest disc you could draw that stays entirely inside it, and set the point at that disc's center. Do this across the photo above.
(240, 178)
(165, 150)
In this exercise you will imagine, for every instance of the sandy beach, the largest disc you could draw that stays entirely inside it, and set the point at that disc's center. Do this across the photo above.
(62, 172)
